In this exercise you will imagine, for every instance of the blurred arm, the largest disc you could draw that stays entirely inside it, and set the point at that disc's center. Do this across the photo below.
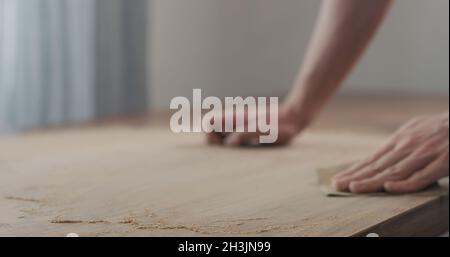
(344, 30)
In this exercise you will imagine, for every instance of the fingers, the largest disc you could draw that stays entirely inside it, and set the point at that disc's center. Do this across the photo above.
(413, 184)
(397, 164)
(239, 139)
(421, 179)
(217, 137)
(400, 171)
(357, 167)
(214, 138)
(369, 171)
(285, 136)
(416, 157)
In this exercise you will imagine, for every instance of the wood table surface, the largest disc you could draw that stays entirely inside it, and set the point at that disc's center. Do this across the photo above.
(137, 178)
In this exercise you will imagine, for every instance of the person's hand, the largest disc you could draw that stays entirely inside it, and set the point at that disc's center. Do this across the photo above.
(288, 127)
(414, 158)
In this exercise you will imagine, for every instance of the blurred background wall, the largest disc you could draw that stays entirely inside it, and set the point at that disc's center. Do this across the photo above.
(70, 61)
(121, 46)
(47, 65)
(67, 61)
(255, 47)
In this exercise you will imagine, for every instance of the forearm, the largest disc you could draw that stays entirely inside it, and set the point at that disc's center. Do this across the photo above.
(343, 31)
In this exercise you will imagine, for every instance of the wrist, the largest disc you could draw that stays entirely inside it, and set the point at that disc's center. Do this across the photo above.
(300, 118)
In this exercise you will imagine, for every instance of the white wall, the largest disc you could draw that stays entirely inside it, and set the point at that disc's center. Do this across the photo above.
(255, 47)
(411, 53)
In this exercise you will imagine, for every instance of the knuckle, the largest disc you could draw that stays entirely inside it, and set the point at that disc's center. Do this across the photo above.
(405, 147)
(407, 142)
(372, 167)
(425, 151)
(396, 173)
(422, 157)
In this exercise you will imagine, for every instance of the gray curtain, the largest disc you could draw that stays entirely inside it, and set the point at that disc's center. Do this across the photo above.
(121, 57)
(70, 61)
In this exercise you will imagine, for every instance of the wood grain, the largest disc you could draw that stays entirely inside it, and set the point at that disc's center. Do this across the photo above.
(146, 181)
(142, 180)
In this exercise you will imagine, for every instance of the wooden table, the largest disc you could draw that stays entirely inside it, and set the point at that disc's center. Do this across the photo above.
(139, 179)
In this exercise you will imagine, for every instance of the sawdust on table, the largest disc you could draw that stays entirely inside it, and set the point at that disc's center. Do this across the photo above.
(24, 199)
(231, 226)
(59, 220)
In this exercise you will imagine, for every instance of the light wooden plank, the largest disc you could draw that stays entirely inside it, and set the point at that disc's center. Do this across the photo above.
(146, 181)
